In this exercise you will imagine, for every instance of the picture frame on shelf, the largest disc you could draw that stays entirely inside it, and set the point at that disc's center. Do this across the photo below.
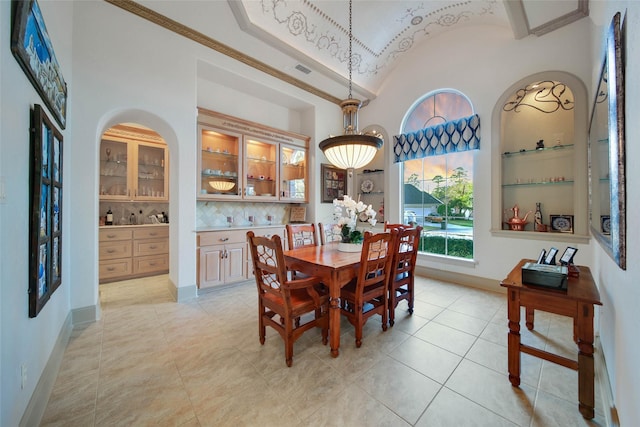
(561, 223)
(32, 48)
(540, 260)
(567, 256)
(45, 236)
(550, 259)
(298, 214)
(334, 183)
(605, 224)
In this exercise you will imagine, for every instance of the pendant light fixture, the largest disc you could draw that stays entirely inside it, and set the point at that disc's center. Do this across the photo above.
(352, 150)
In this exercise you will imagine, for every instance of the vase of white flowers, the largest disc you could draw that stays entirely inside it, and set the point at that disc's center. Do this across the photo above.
(347, 214)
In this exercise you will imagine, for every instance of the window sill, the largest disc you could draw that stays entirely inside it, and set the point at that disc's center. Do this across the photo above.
(442, 259)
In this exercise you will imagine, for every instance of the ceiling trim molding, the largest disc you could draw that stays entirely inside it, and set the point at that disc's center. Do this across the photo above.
(520, 23)
(580, 12)
(180, 29)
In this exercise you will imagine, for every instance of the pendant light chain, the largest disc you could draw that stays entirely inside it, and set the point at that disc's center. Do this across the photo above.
(350, 54)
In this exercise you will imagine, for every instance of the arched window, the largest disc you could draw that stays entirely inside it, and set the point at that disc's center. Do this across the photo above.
(440, 136)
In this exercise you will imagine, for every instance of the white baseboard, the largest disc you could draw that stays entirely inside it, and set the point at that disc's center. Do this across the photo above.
(182, 294)
(604, 386)
(461, 279)
(38, 403)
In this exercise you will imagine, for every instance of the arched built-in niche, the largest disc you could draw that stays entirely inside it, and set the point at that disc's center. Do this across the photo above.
(153, 140)
(539, 149)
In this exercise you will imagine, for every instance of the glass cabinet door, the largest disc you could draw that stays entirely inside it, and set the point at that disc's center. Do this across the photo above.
(261, 171)
(151, 172)
(114, 172)
(293, 174)
(219, 163)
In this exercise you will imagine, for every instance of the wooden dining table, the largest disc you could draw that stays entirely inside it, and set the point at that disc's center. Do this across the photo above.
(336, 269)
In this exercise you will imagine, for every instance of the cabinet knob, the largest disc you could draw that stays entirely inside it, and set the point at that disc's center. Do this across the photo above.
(110, 268)
(153, 247)
(110, 251)
(111, 236)
(153, 234)
(223, 239)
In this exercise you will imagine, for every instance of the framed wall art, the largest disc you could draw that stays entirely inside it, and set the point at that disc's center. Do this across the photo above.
(561, 223)
(45, 240)
(334, 183)
(32, 48)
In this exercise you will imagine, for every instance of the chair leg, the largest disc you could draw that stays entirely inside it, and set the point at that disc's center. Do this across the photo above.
(358, 325)
(288, 343)
(262, 330)
(385, 313)
(392, 307)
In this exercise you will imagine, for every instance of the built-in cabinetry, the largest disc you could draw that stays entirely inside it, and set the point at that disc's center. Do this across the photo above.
(370, 187)
(133, 165)
(241, 160)
(223, 255)
(544, 176)
(133, 251)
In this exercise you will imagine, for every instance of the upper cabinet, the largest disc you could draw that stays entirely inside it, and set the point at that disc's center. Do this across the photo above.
(241, 160)
(133, 165)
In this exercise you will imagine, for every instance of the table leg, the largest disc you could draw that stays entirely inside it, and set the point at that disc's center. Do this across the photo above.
(529, 318)
(334, 315)
(513, 351)
(586, 371)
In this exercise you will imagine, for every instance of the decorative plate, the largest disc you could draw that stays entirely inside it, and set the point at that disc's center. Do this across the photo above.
(367, 186)
(562, 223)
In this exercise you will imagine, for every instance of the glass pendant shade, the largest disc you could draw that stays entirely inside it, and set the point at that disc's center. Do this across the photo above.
(351, 150)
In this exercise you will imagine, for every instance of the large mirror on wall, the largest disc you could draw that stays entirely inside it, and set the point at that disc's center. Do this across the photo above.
(607, 192)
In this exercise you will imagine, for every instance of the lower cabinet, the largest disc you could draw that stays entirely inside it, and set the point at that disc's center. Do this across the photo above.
(130, 252)
(223, 256)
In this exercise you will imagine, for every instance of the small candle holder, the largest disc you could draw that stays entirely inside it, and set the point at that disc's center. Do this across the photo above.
(229, 220)
(269, 218)
(250, 218)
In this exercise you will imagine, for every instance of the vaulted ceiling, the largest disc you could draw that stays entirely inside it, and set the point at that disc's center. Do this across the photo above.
(306, 42)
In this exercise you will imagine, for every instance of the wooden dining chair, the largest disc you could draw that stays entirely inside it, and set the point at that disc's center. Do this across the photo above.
(401, 279)
(329, 233)
(389, 226)
(282, 303)
(367, 294)
(301, 235)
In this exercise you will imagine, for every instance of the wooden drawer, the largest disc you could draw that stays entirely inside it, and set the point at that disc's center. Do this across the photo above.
(150, 247)
(209, 238)
(110, 234)
(114, 250)
(151, 232)
(151, 264)
(115, 268)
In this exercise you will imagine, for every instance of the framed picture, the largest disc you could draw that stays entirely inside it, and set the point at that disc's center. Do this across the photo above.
(561, 223)
(334, 183)
(298, 214)
(551, 256)
(32, 49)
(541, 257)
(567, 256)
(605, 224)
(45, 237)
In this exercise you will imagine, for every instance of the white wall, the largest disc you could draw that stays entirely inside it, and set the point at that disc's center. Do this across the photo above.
(620, 290)
(482, 63)
(26, 341)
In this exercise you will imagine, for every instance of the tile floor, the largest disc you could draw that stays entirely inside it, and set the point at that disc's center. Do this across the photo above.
(151, 361)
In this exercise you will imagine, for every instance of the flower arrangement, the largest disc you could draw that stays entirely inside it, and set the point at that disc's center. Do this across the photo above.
(347, 212)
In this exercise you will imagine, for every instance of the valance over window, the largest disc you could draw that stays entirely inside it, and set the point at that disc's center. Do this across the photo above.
(449, 137)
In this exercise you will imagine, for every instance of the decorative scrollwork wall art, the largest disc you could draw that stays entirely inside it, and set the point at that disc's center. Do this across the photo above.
(546, 96)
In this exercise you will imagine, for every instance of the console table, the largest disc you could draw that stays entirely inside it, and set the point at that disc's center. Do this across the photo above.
(576, 302)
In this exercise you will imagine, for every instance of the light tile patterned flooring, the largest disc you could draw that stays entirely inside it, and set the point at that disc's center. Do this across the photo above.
(151, 361)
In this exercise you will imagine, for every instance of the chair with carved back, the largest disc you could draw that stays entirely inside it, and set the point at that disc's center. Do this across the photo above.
(329, 233)
(389, 226)
(367, 294)
(301, 235)
(283, 302)
(402, 277)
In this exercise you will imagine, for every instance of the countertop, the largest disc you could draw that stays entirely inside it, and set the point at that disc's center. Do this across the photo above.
(133, 225)
(237, 227)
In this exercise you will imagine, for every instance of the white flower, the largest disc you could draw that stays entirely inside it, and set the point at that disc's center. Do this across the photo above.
(348, 211)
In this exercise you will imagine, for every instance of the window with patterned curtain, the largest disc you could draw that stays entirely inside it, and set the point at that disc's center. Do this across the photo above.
(440, 136)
